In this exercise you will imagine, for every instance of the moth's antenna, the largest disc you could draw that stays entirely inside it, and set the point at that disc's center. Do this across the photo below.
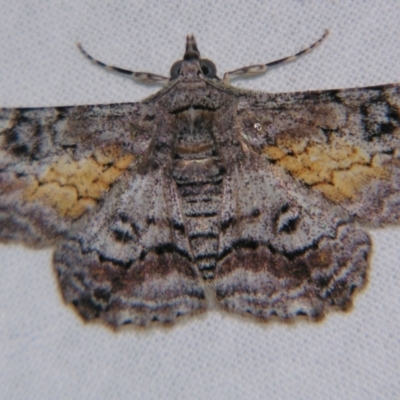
(261, 68)
(145, 77)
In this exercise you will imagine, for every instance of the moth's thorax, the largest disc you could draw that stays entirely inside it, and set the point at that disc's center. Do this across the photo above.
(191, 83)
(194, 133)
(195, 154)
(195, 92)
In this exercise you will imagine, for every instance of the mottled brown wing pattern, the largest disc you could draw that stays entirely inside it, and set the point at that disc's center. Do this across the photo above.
(284, 249)
(57, 164)
(343, 143)
(90, 179)
(326, 160)
(292, 245)
(132, 262)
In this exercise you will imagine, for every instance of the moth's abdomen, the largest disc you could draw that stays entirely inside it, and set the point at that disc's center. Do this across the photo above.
(198, 173)
(199, 184)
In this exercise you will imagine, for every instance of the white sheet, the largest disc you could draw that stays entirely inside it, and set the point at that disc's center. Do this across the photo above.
(46, 352)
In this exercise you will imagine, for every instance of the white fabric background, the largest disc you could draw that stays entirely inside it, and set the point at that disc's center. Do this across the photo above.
(47, 352)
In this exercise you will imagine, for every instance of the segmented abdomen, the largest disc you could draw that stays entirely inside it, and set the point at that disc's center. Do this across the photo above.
(199, 184)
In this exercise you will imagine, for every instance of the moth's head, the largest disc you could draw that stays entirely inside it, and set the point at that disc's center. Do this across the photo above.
(192, 65)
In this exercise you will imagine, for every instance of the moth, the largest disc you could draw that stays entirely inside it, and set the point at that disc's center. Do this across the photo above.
(204, 195)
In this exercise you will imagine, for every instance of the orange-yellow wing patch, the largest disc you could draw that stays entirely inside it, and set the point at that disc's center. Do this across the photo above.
(72, 187)
(338, 169)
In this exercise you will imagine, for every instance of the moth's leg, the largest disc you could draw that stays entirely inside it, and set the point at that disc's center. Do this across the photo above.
(137, 76)
(261, 68)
